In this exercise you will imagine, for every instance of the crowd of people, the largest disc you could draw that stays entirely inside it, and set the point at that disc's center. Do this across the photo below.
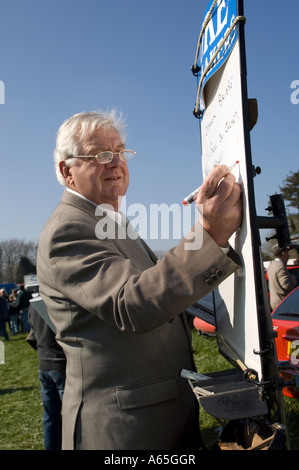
(17, 315)
(14, 312)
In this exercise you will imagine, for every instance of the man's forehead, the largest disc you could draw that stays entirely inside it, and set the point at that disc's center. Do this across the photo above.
(102, 139)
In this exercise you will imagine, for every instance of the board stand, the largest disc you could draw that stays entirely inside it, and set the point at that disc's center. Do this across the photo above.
(241, 409)
(226, 394)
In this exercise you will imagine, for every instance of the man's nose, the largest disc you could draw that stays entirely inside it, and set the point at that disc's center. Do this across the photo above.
(116, 161)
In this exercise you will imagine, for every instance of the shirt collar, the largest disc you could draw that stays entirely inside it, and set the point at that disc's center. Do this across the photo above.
(113, 214)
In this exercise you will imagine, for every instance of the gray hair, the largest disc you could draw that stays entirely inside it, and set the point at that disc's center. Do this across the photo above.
(76, 128)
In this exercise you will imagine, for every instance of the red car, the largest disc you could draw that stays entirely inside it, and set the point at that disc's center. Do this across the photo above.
(204, 316)
(285, 319)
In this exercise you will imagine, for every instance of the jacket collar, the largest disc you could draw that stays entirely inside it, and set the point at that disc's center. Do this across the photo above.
(72, 199)
(95, 211)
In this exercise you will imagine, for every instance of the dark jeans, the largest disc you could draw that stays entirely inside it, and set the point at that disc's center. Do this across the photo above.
(52, 388)
(3, 329)
(24, 320)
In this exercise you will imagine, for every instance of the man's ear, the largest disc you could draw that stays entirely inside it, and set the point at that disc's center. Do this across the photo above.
(67, 173)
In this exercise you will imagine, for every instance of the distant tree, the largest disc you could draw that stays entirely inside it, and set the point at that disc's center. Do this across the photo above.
(290, 190)
(12, 250)
(25, 266)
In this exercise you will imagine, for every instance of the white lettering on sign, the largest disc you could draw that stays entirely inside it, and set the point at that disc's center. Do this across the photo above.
(214, 34)
(2, 360)
(295, 353)
(221, 23)
(210, 35)
(209, 31)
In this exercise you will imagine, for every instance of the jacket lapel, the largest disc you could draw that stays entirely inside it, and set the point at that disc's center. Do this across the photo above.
(109, 228)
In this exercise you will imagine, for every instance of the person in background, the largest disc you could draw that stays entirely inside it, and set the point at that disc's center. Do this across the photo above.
(14, 311)
(22, 301)
(281, 283)
(3, 315)
(52, 363)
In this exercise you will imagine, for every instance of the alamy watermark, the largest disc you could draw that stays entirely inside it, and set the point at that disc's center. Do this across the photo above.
(295, 353)
(2, 358)
(156, 222)
(295, 93)
(2, 92)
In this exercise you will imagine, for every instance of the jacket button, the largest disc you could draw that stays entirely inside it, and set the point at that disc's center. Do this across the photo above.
(209, 281)
(219, 272)
(214, 277)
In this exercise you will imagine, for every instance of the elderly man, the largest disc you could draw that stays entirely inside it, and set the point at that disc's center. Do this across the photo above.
(117, 310)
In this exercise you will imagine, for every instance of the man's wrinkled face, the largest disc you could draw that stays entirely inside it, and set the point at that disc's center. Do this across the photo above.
(98, 182)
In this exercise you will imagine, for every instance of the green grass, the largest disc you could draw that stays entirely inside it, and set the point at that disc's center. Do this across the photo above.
(21, 407)
(20, 400)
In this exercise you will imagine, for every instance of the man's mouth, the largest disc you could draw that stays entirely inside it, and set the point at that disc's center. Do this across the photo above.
(112, 178)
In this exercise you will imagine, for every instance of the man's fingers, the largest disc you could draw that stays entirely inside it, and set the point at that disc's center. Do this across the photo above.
(228, 189)
(210, 183)
(236, 194)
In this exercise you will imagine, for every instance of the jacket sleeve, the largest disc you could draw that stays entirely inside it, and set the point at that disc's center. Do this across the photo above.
(284, 279)
(96, 275)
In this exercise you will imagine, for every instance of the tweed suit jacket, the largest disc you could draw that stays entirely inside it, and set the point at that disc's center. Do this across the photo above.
(118, 317)
(280, 282)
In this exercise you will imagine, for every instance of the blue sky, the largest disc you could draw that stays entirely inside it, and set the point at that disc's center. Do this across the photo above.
(61, 57)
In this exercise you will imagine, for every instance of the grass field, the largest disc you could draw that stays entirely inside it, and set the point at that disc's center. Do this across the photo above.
(21, 406)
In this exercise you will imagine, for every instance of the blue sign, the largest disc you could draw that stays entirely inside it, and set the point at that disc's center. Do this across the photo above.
(217, 39)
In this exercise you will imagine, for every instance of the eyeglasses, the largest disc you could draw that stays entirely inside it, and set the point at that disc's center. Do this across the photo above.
(107, 157)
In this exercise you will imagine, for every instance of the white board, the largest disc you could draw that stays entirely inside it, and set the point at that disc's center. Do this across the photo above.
(222, 138)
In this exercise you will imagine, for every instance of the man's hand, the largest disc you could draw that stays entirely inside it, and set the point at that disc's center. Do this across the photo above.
(220, 205)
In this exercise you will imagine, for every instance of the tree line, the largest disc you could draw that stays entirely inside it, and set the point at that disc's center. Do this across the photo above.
(17, 258)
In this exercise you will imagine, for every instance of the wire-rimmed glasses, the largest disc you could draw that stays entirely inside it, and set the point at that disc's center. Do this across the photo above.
(107, 156)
